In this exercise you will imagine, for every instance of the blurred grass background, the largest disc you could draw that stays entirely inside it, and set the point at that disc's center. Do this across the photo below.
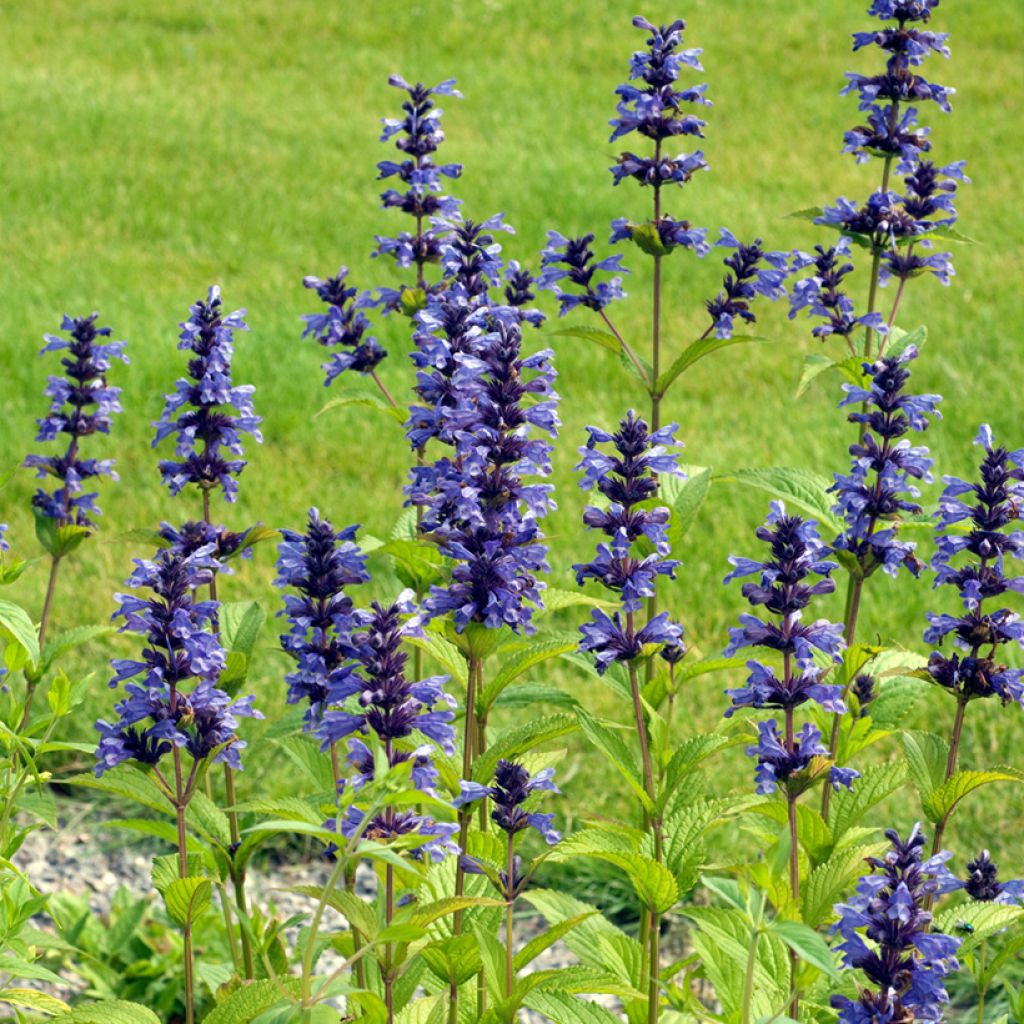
(153, 149)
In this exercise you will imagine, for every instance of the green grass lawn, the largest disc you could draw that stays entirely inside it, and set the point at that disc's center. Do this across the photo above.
(153, 149)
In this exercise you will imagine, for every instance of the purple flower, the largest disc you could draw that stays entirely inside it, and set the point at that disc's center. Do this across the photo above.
(512, 788)
(4, 545)
(996, 503)
(610, 641)
(780, 759)
(572, 260)
(475, 502)
(672, 234)
(424, 836)
(418, 135)
(318, 564)
(81, 404)
(753, 272)
(343, 324)
(907, 960)
(983, 885)
(885, 466)
(207, 414)
(627, 477)
(158, 713)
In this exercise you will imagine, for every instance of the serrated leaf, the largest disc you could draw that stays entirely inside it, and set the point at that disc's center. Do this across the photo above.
(126, 781)
(521, 739)
(18, 625)
(69, 639)
(425, 914)
(208, 820)
(58, 541)
(240, 625)
(926, 757)
(801, 487)
(18, 968)
(110, 1011)
(539, 650)
(608, 741)
(942, 801)
(687, 501)
(443, 652)
(539, 943)
(244, 1004)
(187, 898)
(556, 599)
(807, 944)
(605, 339)
(897, 696)
(698, 350)
(829, 880)
(975, 922)
(566, 1009)
(848, 807)
(653, 883)
(811, 213)
(816, 363)
(33, 999)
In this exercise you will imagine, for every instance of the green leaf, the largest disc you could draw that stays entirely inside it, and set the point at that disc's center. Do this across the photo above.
(807, 944)
(801, 487)
(816, 363)
(608, 741)
(848, 807)
(444, 653)
(546, 939)
(417, 562)
(653, 883)
(35, 1000)
(539, 650)
(70, 639)
(811, 213)
(110, 1011)
(897, 695)
(248, 1001)
(942, 801)
(975, 922)
(208, 820)
(366, 399)
(18, 968)
(686, 497)
(424, 914)
(605, 339)
(520, 740)
(697, 350)
(566, 1009)
(827, 881)
(187, 898)
(240, 625)
(126, 781)
(647, 238)
(17, 626)
(926, 757)
(58, 541)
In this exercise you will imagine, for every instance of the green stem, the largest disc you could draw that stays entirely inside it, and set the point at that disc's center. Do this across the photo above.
(389, 912)
(748, 977)
(44, 622)
(179, 810)
(794, 859)
(981, 987)
(384, 391)
(510, 903)
(951, 762)
(628, 352)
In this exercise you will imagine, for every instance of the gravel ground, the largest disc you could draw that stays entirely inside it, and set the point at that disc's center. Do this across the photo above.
(95, 862)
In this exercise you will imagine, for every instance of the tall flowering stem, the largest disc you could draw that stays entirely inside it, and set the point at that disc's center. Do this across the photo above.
(159, 716)
(988, 506)
(794, 761)
(81, 404)
(907, 961)
(890, 223)
(627, 477)
(879, 486)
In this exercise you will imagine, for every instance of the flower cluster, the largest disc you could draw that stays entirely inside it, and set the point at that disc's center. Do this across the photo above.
(885, 464)
(81, 403)
(996, 503)
(572, 260)
(344, 324)
(747, 279)
(4, 545)
(475, 503)
(906, 960)
(628, 477)
(221, 542)
(318, 564)
(199, 412)
(470, 255)
(652, 105)
(513, 786)
(822, 295)
(374, 696)
(417, 135)
(983, 885)
(796, 554)
(158, 713)
(891, 132)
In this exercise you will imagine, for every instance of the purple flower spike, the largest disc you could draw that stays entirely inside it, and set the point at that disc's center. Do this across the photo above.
(982, 883)
(318, 564)
(207, 414)
(81, 404)
(906, 960)
(995, 504)
(628, 476)
(572, 260)
(512, 788)
(753, 272)
(885, 467)
(158, 713)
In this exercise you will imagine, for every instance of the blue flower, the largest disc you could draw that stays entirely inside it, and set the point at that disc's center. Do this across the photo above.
(513, 786)
(885, 466)
(996, 504)
(158, 713)
(610, 641)
(748, 279)
(780, 760)
(983, 884)
(343, 324)
(426, 837)
(572, 260)
(207, 414)
(319, 564)
(81, 404)
(907, 960)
